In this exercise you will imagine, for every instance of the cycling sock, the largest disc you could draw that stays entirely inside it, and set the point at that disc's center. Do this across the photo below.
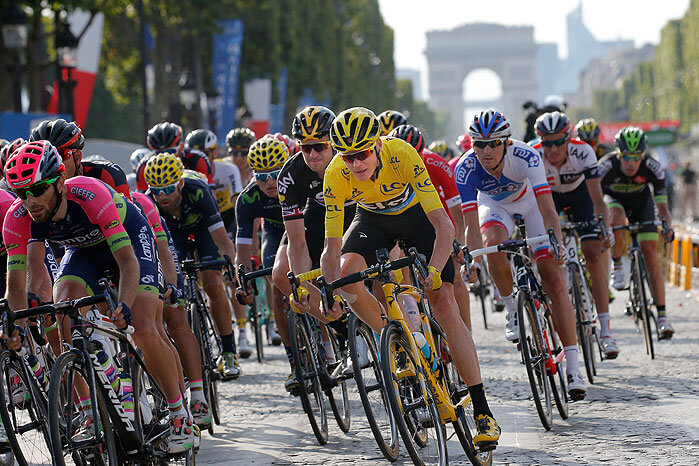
(287, 350)
(329, 351)
(196, 388)
(85, 406)
(571, 359)
(510, 302)
(176, 407)
(604, 324)
(617, 261)
(228, 343)
(661, 311)
(480, 404)
(242, 322)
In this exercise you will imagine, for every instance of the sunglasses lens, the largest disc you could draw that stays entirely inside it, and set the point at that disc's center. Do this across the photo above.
(36, 190)
(318, 147)
(363, 155)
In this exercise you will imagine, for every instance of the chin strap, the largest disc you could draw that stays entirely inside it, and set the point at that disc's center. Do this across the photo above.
(59, 199)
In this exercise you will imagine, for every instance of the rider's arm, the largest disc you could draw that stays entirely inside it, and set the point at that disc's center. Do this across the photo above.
(595, 189)
(335, 191)
(474, 240)
(297, 251)
(459, 222)
(223, 242)
(549, 214)
(37, 274)
(444, 239)
(659, 188)
(330, 259)
(129, 273)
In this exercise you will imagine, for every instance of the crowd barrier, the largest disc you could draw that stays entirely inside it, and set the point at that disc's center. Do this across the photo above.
(682, 258)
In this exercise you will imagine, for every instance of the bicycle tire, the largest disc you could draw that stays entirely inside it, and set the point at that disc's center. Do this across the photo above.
(310, 391)
(64, 371)
(257, 329)
(557, 380)
(410, 388)
(533, 357)
(371, 389)
(202, 331)
(644, 306)
(35, 411)
(582, 327)
(338, 396)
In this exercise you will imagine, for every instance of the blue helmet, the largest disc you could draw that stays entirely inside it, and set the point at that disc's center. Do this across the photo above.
(489, 124)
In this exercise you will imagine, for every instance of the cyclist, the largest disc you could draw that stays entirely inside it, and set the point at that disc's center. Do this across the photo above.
(389, 120)
(188, 208)
(68, 139)
(499, 177)
(5, 153)
(442, 178)
(99, 230)
(396, 198)
(439, 147)
(260, 200)
(588, 131)
(571, 171)
(627, 176)
(290, 143)
(238, 142)
(226, 187)
(300, 186)
(463, 145)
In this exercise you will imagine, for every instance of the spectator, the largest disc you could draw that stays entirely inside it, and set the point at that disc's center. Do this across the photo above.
(689, 192)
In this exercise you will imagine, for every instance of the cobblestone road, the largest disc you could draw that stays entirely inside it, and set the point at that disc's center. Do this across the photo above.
(638, 412)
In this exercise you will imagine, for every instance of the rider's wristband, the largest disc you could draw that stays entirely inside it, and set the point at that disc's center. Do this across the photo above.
(436, 277)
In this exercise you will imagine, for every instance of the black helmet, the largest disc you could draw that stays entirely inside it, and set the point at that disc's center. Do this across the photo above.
(552, 123)
(312, 123)
(411, 135)
(164, 136)
(61, 134)
(240, 138)
(201, 139)
(391, 119)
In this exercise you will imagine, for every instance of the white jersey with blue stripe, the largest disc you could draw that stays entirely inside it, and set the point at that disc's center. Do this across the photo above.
(523, 168)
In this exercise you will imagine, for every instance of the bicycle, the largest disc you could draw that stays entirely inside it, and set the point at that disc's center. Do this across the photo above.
(539, 345)
(255, 312)
(581, 295)
(421, 395)
(482, 288)
(210, 346)
(319, 374)
(639, 305)
(119, 436)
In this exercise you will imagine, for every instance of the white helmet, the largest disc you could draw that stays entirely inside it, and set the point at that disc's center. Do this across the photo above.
(555, 100)
(137, 156)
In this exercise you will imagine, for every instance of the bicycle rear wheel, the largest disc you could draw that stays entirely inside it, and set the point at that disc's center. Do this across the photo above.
(367, 375)
(412, 401)
(641, 272)
(255, 320)
(65, 416)
(534, 358)
(23, 411)
(583, 326)
(310, 391)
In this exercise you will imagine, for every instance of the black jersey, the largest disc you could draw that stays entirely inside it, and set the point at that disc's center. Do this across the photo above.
(620, 186)
(252, 203)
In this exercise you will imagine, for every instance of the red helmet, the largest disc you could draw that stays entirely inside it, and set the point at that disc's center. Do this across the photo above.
(31, 163)
(7, 151)
(463, 142)
(290, 143)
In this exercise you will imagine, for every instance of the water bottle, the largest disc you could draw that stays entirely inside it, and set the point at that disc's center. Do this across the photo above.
(425, 348)
(38, 370)
(411, 310)
(126, 394)
(109, 369)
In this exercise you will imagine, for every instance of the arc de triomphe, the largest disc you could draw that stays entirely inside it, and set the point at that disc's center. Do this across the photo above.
(509, 51)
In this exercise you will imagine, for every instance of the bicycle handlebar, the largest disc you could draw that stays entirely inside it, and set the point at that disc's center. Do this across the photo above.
(509, 245)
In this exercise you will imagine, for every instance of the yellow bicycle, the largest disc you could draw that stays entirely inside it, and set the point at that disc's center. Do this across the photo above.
(421, 385)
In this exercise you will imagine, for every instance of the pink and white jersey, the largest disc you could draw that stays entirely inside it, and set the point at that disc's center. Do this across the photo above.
(581, 164)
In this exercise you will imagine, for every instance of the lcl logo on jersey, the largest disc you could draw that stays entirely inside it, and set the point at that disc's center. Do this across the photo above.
(387, 189)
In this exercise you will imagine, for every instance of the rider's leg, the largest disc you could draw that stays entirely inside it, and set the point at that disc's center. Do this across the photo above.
(591, 249)
(650, 252)
(220, 308)
(462, 300)
(363, 303)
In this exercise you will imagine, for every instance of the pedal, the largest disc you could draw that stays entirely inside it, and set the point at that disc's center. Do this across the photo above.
(485, 447)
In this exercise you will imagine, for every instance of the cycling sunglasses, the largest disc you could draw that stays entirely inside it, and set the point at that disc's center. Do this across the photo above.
(361, 155)
(555, 142)
(267, 175)
(66, 154)
(492, 143)
(35, 190)
(632, 156)
(239, 152)
(318, 147)
(165, 190)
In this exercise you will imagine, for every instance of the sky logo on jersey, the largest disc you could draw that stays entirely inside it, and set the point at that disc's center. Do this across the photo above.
(387, 189)
(530, 157)
(284, 183)
(418, 170)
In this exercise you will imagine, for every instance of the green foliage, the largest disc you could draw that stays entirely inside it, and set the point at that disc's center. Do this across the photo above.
(665, 87)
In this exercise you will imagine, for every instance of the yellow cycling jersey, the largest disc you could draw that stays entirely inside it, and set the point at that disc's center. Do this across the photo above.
(401, 182)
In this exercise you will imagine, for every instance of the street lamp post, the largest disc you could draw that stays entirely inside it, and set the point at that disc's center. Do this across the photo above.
(67, 55)
(188, 95)
(214, 102)
(14, 36)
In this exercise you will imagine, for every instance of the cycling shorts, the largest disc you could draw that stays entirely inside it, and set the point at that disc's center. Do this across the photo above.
(579, 203)
(492, 213)
(271, 237)
(87, 265)
(176, 260)
(640, 208)
(204, 244)
(370, 231)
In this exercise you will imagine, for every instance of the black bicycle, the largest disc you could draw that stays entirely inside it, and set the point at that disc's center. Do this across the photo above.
(255, 315)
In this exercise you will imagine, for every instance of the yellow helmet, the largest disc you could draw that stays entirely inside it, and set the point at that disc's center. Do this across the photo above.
(163, 170)
(438, 146)
(354, 130)
(389, 120)
(587, 129)
(267, 153)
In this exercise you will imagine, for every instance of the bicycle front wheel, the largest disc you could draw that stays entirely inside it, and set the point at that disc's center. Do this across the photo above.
(307, 375)
(412, 401)
(641, 271)
(23, 411)
(584, 330)
(63, 403)
(338, 397)
(534, 357)
(211, 351)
